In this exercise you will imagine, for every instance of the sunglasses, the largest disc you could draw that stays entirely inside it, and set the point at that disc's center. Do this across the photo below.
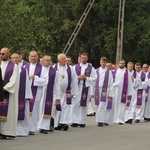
(2, 53)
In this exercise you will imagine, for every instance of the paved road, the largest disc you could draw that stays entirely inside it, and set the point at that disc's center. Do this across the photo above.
(92, 137)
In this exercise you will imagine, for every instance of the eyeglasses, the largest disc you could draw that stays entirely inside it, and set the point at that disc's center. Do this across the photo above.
(2, 53)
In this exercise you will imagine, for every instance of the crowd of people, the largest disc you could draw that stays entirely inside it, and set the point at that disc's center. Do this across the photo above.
(40, 96)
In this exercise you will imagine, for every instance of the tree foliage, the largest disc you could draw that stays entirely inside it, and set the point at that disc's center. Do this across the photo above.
(46, 25)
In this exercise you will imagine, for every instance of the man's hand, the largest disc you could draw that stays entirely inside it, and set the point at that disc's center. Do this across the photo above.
(57, 101)
(82, 77)
(32, 77)
(62, 76)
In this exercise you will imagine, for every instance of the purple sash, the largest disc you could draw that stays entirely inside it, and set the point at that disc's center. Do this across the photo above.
(24, 63)
(147, 90)
(21, 99)
(128, 102)
(140, 91)
(125, 87)
(4, 104)
(109, 104)
(104, 88)
(143, 75)
(68, 90)
(139, 98)
(85, 89)
(49, 93)
(97, 88)
(37, 72)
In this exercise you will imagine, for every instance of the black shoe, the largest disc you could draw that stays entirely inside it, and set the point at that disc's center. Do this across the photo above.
(45, 132)
(58, 128)
(146, 119)
(82, 125)
(120, 123)
(31, 133)
(3, 137)
(74, 125)
(137, 121)
(91, 114)
(129, 121)
(41, 130)
(65, 127)
(106, 124)
(100, 124)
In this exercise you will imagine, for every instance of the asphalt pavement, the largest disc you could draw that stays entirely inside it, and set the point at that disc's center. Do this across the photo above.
(114, 137)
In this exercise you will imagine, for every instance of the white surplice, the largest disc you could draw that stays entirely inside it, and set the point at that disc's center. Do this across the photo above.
(79, 113)
(62, 117)
(101, 115)
(40, 82)
(23, 125)
(45, 123)
(119, 108)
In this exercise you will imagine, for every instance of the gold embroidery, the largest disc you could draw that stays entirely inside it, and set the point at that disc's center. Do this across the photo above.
(138, 106)
(104, 93)
(21, 106)
(47, 116)
(84, 96)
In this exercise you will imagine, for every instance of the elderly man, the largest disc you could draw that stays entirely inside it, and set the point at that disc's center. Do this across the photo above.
(51, 96)
(38, 78)
(68, 90)
(8, 107)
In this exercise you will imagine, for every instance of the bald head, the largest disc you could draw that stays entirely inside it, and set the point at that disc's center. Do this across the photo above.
(46, 60)
(33, 57)
(4, 54)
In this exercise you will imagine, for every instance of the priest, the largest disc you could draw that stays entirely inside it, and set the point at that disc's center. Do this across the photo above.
(9, 106)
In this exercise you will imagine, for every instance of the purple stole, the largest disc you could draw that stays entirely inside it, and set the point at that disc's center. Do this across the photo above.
(24, 63)
(140, 91)
(109, 105)
(85, 89)
(37, 72)
(4, 104)
(147, 89)
(49, 93)
(21, 94)
(68, 90)
(125, 86)
(97, 89)
(104, 88)
(128, 102)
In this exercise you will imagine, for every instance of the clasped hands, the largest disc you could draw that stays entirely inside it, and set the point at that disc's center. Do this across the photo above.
(82, 77)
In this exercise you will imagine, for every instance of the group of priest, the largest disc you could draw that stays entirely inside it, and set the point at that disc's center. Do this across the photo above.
(41, 96)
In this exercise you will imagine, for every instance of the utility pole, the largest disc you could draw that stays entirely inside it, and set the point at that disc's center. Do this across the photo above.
(120, 31)
(78, 26)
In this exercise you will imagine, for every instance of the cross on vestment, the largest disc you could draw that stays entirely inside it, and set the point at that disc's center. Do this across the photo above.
(48, 103)
(84, 96)
(21, 106)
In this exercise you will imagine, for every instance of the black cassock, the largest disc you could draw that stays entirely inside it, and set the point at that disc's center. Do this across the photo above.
(1, 87)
